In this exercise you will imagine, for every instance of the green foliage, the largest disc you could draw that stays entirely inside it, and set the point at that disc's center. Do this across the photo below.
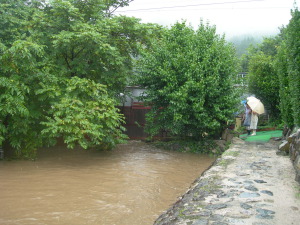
(263, 77)
(274, 72)
(18, 124)
(83, 114)
(292, 41)
(96, 47)
(203, 146)
(14, 15)
(262, 81)
(288, 69)
(284, 90)
(58, 60)
(189, 76)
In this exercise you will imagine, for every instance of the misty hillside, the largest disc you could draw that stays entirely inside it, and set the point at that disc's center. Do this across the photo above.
(242, 43)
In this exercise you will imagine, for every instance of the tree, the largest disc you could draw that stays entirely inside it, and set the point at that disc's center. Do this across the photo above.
(262, 77)
(189, 80)
(284, 90)
(83, 42)
(292, 43)
(263, 82)
(62, 64)
(274, 72)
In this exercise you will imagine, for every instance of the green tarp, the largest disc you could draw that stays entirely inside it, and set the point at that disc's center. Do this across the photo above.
(262, 136)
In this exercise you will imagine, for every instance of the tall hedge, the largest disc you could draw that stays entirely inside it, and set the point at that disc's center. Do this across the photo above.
(189, 80)
(288, 67)
(292, 38)
(262, 81)
(284, 90)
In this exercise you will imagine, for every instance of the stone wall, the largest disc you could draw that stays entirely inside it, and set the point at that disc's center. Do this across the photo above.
(291, 146)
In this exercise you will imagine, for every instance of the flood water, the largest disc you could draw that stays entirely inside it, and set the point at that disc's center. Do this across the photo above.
(131, 185)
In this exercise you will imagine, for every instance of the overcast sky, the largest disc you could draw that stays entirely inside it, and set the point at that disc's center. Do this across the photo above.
(231, 17)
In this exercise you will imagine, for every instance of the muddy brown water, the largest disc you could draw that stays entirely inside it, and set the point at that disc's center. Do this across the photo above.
(131, 185)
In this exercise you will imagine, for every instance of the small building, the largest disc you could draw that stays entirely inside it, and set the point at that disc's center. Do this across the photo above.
(134, 111)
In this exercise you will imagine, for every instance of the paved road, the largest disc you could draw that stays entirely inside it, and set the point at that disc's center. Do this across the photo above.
(249, 184)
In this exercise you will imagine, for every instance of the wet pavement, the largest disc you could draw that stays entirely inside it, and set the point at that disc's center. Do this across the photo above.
(248, 184)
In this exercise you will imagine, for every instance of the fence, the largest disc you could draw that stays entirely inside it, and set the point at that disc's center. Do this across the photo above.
(135, 120)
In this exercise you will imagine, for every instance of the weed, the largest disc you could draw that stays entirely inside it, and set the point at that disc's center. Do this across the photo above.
(225, 162)
(297, 189)
(231, 153)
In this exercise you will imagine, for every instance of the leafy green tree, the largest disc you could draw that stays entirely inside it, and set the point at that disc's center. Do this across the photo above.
(13, 18)
(62, 63)
(263, 78)
(37, 107)
(284, 90)
(189, 80)
(263, 82)
(83, 42)
(274, 72)
(292, 43)
(82, 113)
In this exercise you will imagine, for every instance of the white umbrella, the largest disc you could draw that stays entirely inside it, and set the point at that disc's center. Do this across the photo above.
(256, 105)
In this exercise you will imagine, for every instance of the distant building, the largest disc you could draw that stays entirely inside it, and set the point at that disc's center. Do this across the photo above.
(134, 111)
(242, 80)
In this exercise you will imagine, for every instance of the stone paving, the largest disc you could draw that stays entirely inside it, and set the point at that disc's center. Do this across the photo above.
(248, 184)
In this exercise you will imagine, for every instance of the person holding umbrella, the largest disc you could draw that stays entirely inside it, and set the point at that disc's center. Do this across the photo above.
(247, 116)
(257, 108)
(253, 123)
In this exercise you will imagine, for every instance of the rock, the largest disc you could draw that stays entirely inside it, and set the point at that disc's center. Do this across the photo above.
(237, 140)
(297, 144)
(251, 188)
(292, 137)
(285, 146)
(297, 163)
(200, 222)
(265, 214)
(219, 223)
(246, 206)
(285, 131)
(216, 206)
(227, 135)
(289, 133)
(221, 144)
(281, 153)
(297, 178)
(249, 195)
(293, 153)
(267, 192)
(260, 181)
(217, 218)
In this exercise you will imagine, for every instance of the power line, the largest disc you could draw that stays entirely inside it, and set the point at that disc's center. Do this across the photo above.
(185, 6)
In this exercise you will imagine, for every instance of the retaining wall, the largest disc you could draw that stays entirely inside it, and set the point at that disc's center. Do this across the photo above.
(294, 142)
(291, 146)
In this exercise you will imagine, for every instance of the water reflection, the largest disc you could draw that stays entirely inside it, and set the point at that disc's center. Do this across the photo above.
(131, 185)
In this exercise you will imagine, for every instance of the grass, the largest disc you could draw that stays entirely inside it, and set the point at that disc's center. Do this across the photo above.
(297, 188)
(225, 162)
(231, 153)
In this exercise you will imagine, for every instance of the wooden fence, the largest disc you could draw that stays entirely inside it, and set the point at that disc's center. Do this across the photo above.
(135, 120)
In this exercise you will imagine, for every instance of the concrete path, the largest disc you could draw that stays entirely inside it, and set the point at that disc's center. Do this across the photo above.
(248, 184)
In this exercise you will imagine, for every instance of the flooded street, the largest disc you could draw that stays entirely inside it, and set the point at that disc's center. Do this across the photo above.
(131, 185)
